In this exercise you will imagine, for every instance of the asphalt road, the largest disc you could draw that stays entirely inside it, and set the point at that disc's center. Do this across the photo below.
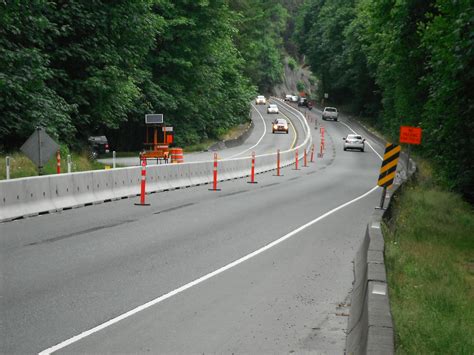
(260, 141)
(66, 273)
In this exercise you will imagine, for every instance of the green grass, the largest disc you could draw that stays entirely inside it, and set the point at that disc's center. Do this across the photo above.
(430, 266)
(21, 166)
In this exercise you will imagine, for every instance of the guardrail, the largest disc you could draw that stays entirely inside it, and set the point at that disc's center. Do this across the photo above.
(370, 324)
(44, 194)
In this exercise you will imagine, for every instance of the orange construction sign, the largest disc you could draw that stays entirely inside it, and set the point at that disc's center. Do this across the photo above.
(410, 135)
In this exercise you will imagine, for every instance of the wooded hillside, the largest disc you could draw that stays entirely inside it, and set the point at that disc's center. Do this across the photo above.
(404, 62)
(82, 67)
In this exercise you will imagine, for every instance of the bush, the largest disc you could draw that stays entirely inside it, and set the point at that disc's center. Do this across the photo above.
(300, 86)
(292, 63)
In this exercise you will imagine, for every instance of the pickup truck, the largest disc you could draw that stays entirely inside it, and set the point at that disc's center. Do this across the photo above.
(330, 113)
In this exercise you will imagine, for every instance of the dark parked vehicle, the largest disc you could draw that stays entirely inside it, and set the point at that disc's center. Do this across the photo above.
(303, 101)
(98, 145)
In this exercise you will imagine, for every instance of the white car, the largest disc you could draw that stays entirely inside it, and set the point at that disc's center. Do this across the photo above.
(260, 100)
(272, 108)
(330, 113)
(354, 141)
(280, 125)
(294, 99)
(288, 97)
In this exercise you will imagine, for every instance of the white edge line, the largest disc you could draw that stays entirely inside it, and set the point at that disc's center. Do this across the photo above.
(258, 142)
(197, 281)
(370, 145)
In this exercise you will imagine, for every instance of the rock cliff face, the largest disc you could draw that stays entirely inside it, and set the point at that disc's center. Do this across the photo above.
(291, 78)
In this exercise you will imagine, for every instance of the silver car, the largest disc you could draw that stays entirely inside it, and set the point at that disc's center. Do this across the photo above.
(272, 108)
(354, 141)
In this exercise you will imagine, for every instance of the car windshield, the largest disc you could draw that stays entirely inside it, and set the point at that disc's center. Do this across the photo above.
(273, 106)
(260, 97)
(330, 109)
(281, 121)
(351, 136)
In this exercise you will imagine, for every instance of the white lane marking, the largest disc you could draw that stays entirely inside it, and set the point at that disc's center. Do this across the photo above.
(199, 280)
(301, 118)
(370, 145)
(258, 142)
(292, 145)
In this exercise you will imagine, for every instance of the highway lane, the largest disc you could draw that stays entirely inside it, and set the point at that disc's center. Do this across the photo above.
(68, 272)
(261, 141)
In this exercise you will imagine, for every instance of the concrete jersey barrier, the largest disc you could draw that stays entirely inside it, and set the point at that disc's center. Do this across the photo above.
(370, 326)
(43, 194)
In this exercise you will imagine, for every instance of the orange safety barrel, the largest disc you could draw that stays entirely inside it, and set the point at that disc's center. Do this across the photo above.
(177, 155)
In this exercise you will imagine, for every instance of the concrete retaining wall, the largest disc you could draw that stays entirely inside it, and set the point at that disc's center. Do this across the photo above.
(370, 325)
(42, 194)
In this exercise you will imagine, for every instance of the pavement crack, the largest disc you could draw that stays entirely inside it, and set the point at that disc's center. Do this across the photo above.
(174, 208)
(272, 184)
(85, 231)
(234, 193)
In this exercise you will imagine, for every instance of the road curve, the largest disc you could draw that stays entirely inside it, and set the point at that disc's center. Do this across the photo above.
(66, 273)
(260, 141)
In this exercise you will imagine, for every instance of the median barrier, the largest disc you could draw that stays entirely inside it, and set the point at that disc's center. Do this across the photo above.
(201, 173)
(102, 185)
(153, 181)
(41, 194)
(83, 190)
(25, 197)
(179, 175)
(62, 192)
(122, 184)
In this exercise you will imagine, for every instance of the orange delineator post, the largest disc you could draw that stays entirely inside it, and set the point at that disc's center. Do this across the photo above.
(305, 159)
(58, 162)
(312, 153)
(252, 170)
(142, 186)
(214, 183)
(296, 159)
(278, 162)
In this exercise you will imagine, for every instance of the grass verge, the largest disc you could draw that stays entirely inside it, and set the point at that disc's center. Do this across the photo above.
(430, 266)
(21, 166)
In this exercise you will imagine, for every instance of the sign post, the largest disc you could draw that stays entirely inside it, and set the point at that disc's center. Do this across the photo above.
(7, 165)
(410, 135)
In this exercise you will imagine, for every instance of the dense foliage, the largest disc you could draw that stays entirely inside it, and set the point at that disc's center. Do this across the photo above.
(406, 62)
(82, 67)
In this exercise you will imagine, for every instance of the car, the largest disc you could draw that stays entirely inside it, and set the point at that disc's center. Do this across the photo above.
(280, 125)
(98, 145)
(303, 101)
(260, 100)
(354, 141)
(288, 97)
(272, 108)
(330, 113)
(294, 98)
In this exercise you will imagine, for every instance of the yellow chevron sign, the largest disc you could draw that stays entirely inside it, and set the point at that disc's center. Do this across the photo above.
(389, 165)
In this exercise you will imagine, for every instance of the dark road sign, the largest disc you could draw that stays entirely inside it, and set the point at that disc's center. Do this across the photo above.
(40, 147)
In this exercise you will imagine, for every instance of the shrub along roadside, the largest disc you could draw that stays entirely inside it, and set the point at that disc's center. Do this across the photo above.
(21, 166)
(429, 257)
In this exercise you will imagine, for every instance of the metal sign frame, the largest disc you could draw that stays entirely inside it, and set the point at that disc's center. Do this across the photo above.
(154, 118)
